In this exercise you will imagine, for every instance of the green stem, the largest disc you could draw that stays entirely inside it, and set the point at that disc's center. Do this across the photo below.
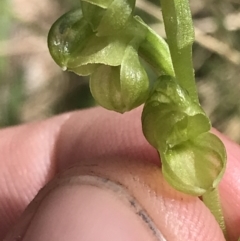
(212, 200)
(180, 37)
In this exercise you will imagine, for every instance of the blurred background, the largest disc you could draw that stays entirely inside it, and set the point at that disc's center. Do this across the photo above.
(33, 87)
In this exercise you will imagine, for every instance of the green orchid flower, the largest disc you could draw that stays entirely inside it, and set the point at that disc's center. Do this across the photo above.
(193, 160)
(121, 88)
(118, 80)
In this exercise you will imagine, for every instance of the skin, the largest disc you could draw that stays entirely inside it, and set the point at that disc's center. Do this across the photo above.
(109, 146)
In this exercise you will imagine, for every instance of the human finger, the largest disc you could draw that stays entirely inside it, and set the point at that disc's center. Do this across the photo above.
(70, 148)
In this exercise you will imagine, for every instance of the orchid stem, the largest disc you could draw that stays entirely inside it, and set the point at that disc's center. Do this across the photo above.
(180, 37)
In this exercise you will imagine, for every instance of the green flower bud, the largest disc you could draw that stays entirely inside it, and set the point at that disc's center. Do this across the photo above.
(74, 46)
(121, 88)
(170, 116)
(193, 160)
(68, 34)
(195, 166)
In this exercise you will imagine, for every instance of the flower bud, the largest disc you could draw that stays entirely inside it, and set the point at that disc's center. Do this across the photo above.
(121, 88)
(170, 116)
(193, 160)
(195, 166)
(68, 34)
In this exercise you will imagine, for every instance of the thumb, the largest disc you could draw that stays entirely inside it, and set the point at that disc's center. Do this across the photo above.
(114, 199)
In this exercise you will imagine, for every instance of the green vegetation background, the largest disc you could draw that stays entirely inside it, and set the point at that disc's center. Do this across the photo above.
(33, 87)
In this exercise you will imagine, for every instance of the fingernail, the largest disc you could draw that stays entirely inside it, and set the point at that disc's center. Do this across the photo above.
(90, 209)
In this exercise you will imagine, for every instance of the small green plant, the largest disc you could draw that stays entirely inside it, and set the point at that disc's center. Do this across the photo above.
(105, 40)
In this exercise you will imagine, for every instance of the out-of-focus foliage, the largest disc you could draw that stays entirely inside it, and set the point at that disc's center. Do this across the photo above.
(33, 87)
